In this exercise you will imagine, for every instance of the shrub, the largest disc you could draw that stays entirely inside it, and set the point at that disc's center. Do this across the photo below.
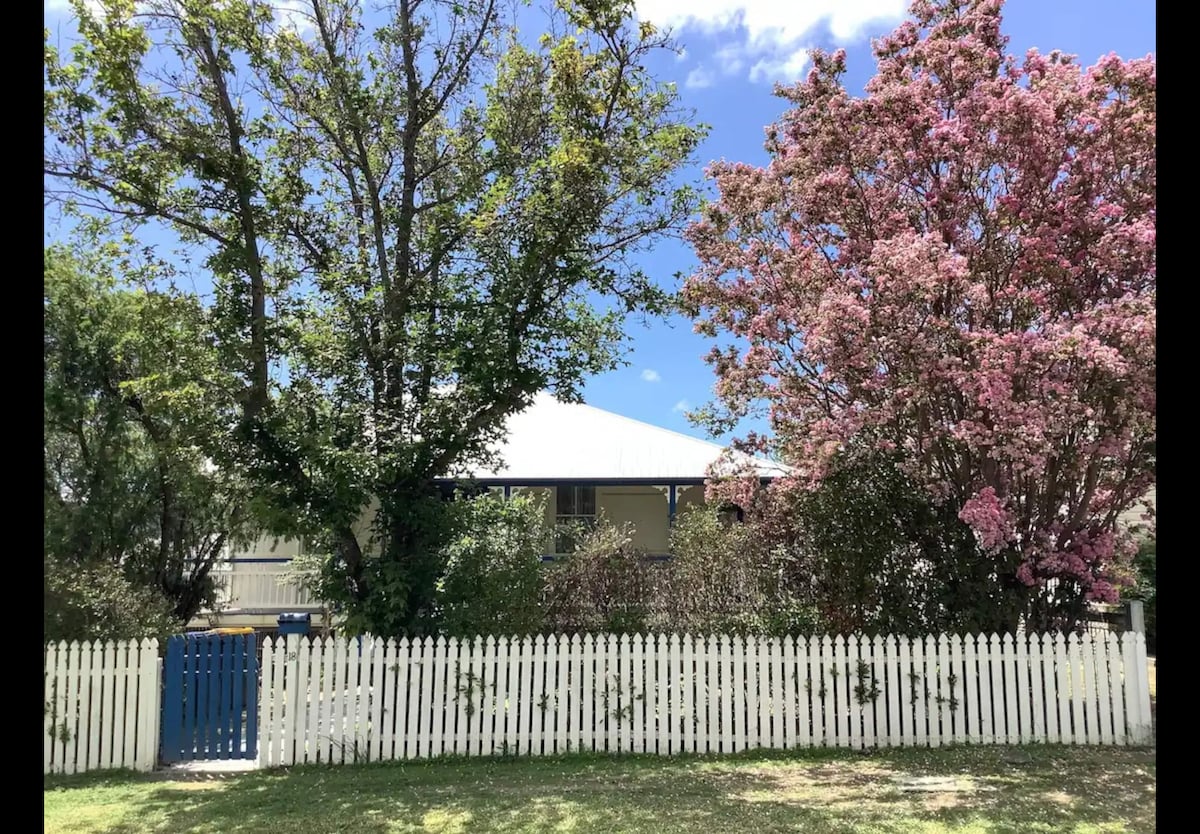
(606, 584)
(729, 578)
(492, 579)
(97, 602)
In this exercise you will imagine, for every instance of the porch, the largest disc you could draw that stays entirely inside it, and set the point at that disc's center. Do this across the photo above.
(254, 586)
(254, 590)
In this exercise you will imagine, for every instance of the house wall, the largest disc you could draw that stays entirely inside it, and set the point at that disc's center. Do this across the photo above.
(266, 547)
(645, 507)
(1132, 519)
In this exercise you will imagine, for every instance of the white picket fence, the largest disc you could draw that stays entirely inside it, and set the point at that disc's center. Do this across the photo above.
(338, 700)
(102, 704)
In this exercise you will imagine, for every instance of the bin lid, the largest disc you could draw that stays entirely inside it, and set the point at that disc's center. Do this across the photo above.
(296, 617)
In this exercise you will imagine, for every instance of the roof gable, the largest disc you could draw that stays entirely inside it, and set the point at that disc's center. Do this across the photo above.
(573, 441)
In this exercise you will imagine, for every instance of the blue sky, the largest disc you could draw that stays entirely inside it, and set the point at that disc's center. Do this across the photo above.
(734, 50)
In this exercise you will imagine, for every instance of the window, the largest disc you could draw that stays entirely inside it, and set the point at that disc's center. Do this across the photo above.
(574, 511)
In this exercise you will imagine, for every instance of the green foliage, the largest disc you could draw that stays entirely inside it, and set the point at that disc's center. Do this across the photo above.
(1145, 588)
(96, 602)
(874, 554)
(605, 585)
(729, 578)
(423, 216)
(134, 410)
(492, 582)
(721, 578)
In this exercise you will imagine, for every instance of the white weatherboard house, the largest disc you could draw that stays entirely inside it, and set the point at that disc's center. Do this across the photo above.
(583, 461)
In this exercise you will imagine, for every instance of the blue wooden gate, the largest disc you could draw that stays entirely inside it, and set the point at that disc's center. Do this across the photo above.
(210, 698)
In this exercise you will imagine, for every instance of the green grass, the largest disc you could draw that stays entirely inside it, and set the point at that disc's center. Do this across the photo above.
(1032, 789)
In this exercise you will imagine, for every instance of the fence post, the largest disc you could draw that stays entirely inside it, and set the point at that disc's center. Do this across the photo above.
(1137, 616)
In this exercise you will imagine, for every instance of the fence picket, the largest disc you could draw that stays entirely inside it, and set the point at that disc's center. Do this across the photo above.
(957, 705)
(1037, 720)
(891, 656)
(1142, 686)
(265, 752)
(86, 742)
(760, 688)
(541, 700)
(149, 704)
(126, 662)
(736, 694)
(794, 673)
(1115, 671)
(1063, 689)
(925, 707)
(807, 677)
(907, 687)
(392, 678)
(637, 695)
(1049, 688)
(49, 671)
(420, 697)
(1090, 694)
(854, 709)
(1078, 722)
(587, 694)
(461, 686)
(1011, 713)
(996, 664)
(1101, 675)
(507, 653)
(486, 721)
(686, 675)
(671, 712)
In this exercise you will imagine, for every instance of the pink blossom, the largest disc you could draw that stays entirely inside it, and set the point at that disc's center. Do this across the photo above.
(964, 261)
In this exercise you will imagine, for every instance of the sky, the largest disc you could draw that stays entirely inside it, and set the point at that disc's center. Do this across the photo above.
(733, 52)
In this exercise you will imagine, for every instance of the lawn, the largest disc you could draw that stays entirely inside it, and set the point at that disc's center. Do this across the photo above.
(1035, 789)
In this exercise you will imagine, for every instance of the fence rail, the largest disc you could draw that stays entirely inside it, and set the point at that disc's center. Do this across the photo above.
(338, 700)
(101, 706)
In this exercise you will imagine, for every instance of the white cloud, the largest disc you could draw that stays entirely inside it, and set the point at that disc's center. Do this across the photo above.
(786, 68)
(768, 35)
(651, 375)
(699, 78)
(682, 405)
(294, 14)
(65, 5)
(729, 59)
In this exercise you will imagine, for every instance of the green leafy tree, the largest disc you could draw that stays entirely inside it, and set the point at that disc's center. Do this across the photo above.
(135, 406)
(414, 219)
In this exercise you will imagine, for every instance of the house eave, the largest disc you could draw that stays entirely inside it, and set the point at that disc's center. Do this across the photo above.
(549, 482)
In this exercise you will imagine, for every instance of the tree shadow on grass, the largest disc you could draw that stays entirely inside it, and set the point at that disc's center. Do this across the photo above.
(1051, 789)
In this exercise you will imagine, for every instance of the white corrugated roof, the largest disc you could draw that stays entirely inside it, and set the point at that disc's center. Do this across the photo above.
(553, 439)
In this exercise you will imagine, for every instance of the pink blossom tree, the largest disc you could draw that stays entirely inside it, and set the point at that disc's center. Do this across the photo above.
(960, 266)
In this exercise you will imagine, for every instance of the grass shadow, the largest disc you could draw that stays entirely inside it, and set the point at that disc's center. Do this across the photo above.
(1050, 789)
